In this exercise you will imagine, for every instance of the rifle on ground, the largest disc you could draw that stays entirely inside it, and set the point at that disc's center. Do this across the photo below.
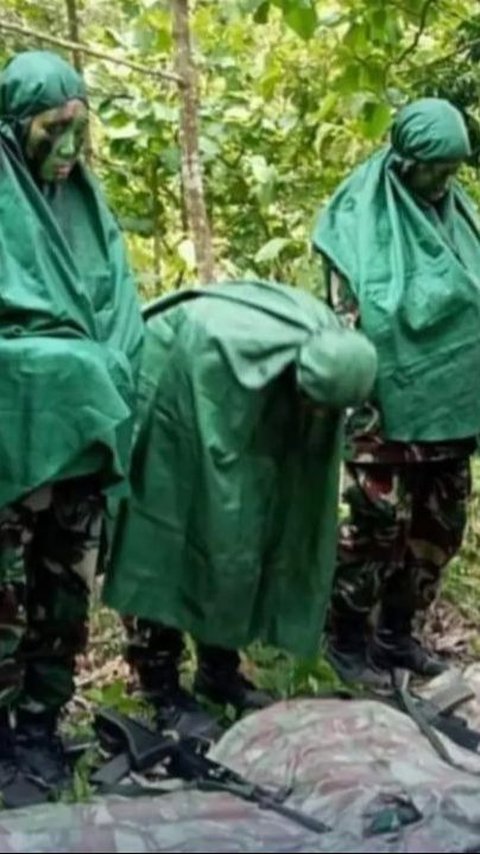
(134, 746)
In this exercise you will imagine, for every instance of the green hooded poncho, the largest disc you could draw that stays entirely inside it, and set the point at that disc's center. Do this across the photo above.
(70, 326)
(415, 271)
(230, 533)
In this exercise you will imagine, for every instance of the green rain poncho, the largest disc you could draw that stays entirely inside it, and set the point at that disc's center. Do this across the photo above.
(230, 533)
(415, 271)
(70, 326)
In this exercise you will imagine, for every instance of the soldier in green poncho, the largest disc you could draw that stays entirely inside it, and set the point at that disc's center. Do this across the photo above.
(402, 244)
(230, 532)
(70, 345)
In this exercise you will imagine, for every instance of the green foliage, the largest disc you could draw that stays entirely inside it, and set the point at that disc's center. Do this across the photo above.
(286, 677)
(293, 94)
(81, 790)
(114, 696)
(462, 582)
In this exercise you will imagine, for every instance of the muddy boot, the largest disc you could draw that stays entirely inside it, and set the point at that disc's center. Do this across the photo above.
(40, 754)
(346, 652)
(155, 653)
(219, 679)
(393, 645)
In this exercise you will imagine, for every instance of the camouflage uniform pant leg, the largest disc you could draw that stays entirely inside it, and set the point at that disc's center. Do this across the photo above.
(372, 540)
(439, 513)
(153, 652)
(16, 532)
(61, 567)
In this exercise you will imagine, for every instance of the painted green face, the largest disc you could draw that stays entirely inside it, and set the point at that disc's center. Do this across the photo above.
(432, 180)
(55, 139)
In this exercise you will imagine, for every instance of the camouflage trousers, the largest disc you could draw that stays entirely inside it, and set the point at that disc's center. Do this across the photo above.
(48, 555)
(405, 524)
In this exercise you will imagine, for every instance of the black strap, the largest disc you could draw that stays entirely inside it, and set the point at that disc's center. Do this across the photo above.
(456, 730)
(414, 710)
(451, 726)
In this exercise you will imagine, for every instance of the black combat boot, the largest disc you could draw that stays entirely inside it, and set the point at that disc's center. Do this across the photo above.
(178, 711)
(155, 652)
(39, 750)
(394, 646)
(218, 677)
(16, 788)
(346, 651)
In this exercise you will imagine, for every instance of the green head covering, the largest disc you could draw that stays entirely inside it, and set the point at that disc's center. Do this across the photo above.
(35, 81)
(430, 129)
(336, 368)
(415, 271)
(70, 327)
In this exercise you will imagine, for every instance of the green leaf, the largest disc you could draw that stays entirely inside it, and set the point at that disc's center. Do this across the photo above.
(137, 225)
(348, 80)
(393, 30)
(301, 17)
(376, 119)
(261, 170)
(164, 113)
(327, 105)
(379, 23)
(113, 695)
(271, 250)
(171, 159)
(128, 131)
(371, 76)
(323, 136)
(261, 13)
(357, 38)
(143, 38)
(247, 7)
(237, 113)
(116, 117)
(112, 38)
(209, 147)
(163, 39)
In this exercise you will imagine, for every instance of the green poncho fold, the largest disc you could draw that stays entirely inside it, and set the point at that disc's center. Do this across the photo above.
(230, 532)
(415, 271)
(70, 325)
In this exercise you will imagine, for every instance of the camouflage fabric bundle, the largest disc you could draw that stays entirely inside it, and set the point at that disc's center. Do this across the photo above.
(362, 768)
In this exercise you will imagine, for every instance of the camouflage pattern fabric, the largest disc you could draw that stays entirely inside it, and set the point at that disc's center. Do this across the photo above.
(48, 556)
(359, 766)
(406, 522)
(364, 442)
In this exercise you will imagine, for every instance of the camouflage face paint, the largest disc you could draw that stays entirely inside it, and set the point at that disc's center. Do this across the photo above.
(55, 138)
(431, 181)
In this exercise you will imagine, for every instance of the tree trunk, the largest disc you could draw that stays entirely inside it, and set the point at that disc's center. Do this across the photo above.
(74, 32)
(189, 124)
(74, 36)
